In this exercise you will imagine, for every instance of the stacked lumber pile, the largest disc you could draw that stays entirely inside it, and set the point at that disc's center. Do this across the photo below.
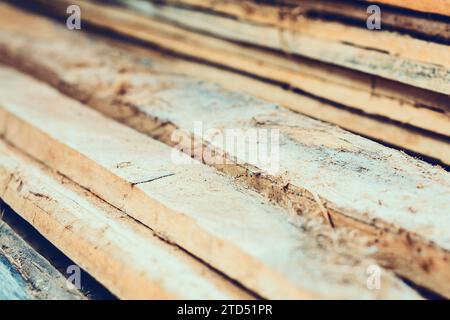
(390, 85)
(87, 122)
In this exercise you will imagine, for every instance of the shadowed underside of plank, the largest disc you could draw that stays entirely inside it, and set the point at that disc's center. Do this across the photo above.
(391, 133)
(363, 184)
(190, 205)
(285, 12)
(121, 253)
(26, 275)
(371, 95)
(429, 6)
(385, 54)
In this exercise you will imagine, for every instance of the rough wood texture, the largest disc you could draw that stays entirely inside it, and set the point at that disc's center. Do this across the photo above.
(121, 253)
(390, 55)
(17, 41)
(26, 275)
(389, 42)
(128, 88)
(372, 95)
(403, 137)
(429, 6)
(192, 206)
(283, 13)
(356, 12)
(380, 95)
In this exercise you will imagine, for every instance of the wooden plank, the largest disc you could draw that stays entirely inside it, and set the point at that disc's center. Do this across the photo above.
(26, 275)
(369, 94)
(391, 133)
(134, 90)
(17, 38)
(284, 12)
(390, 55)
(122, 254)
(429, 6)
(190, 205)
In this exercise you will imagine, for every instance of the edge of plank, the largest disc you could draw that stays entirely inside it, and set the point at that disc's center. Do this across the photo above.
(119, 252)
(254, 233)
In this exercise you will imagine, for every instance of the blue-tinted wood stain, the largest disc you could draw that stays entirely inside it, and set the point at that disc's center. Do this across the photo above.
(12, 284)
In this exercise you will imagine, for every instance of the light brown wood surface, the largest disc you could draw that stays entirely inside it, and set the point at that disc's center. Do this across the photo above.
(233, 229)
(383, 53)
(287, 10)
(375, 195)
(369, 94)
(119, 252)
(25, 274)
(17, 37)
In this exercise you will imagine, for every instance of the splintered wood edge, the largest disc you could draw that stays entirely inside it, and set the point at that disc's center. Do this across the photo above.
(219, 243)
(270, 14)
(392, 43)
(334, 84)
(401, 137)
(40, 280)
(424, 279)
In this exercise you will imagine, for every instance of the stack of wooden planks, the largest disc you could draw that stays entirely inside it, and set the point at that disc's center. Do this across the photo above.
(87, 125)
(318, 58)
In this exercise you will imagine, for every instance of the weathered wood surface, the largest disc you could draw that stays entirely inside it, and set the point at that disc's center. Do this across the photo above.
(403, 137)
(119, 252)
(22, 47)
(387, 54)
(415, 24)
(372, 95)
(271, 15)
(429, 6)
(285, 12)
(231, 228)
(26, 275)
(384, 192)
(13, 286)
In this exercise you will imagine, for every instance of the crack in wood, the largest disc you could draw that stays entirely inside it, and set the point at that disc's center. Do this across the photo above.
(152, 179)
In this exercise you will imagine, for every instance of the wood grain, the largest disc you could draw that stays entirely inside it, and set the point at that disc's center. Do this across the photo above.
(156, 102)
(283, 14)
(429, 6)
(194, 207)
(369, 94)
(122, 254)
(26, 275)
(384, 54)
